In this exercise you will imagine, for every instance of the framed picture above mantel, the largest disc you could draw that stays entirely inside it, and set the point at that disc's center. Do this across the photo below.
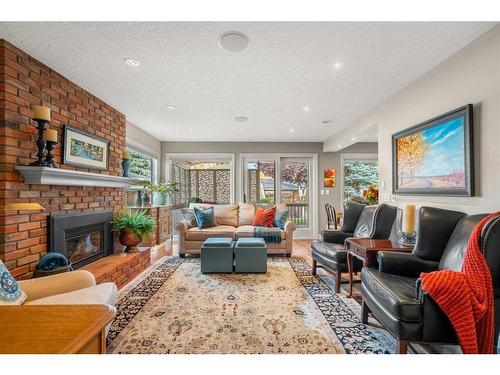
(84, 149)
(435, 157)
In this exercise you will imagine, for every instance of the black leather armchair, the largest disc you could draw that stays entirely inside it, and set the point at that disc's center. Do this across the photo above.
(359, 221)
(392, 293)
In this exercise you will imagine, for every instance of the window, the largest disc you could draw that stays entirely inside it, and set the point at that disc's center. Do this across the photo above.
(359, 175)
(142, 165)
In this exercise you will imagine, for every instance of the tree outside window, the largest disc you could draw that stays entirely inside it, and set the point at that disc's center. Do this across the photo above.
(359, 175)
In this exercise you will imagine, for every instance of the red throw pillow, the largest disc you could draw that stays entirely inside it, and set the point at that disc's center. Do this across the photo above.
(264, 217)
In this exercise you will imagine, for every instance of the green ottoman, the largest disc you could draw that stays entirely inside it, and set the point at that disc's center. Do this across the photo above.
(250, 255)
(217, 255)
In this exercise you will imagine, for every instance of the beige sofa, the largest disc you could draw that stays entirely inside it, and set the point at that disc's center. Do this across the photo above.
(234, 221)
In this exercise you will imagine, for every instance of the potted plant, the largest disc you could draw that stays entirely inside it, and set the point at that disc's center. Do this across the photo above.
(163, 190)
(133, 228)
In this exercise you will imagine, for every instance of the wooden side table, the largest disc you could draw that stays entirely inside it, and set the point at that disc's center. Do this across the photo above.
(54, 329)
(366, 249)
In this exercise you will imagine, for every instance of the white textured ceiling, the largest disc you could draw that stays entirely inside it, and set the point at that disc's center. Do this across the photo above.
(286, 66)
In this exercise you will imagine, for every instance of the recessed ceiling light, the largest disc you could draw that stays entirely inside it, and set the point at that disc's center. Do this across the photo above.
(240, 118)
(233, 41)
(339, 145)
(353, 138)
(306, 108)
(131, 62)
(190, 130)
(337, 65)
(292, 130)
(171, 107)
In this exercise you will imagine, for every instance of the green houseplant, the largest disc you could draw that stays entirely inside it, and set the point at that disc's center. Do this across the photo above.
(133, 228)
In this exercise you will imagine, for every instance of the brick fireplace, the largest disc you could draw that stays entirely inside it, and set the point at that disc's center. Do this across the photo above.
(25, 82)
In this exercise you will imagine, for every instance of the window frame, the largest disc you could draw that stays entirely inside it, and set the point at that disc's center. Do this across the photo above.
(154, 166)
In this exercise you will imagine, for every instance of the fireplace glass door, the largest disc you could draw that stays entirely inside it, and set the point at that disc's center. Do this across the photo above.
(83, 246)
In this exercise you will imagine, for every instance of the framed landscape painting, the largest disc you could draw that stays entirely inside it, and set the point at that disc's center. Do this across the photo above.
(436, 156)
(84, 149)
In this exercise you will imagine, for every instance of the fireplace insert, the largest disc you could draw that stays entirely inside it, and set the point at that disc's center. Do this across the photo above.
(82, 237)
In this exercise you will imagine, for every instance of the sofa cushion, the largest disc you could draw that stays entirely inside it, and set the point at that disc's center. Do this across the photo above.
(396, 294)
(333, 251)
(205, 218)
(281, 218)
(247, 231)
(225, 214)
(196, 234)
(246, 212)
(264, 217)
(189, 216)
(105, 294)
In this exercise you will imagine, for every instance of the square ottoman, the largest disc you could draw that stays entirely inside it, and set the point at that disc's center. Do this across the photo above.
(250, 255)
(217, 255)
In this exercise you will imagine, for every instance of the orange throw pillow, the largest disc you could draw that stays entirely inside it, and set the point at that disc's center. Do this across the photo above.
(264, 218)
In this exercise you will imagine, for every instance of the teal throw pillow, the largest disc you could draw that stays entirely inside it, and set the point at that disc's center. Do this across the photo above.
(10, 292)
(281, 218)
(205, 218)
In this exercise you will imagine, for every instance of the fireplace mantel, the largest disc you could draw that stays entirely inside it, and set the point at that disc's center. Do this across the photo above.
(57, 176)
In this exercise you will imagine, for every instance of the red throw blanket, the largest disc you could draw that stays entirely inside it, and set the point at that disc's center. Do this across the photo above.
(466, 297)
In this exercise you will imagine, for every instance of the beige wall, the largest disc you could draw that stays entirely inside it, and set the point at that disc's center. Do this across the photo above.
(470, 76)
(325, 159)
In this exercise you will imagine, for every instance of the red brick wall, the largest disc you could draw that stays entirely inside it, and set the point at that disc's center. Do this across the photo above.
(25, 82)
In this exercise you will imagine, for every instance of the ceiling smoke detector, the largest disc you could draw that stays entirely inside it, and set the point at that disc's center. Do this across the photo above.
(233, 41)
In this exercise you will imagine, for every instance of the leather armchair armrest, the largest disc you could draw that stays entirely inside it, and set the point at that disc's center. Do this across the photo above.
(404, 264)
(335, 236)
(56, 284)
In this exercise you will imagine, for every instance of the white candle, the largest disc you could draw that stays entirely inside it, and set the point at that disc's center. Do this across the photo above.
(51, 135)
(409, 218)
(41, 113)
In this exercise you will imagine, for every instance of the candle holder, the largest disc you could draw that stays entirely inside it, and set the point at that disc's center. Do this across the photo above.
(49, 159)
(407, 232)
(125, 167)
(40, 142)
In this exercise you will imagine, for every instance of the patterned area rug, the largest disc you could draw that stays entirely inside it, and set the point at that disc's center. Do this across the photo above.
(174, 308)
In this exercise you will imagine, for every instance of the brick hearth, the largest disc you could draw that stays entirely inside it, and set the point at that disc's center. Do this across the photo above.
(120, 268)
(25, 82)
